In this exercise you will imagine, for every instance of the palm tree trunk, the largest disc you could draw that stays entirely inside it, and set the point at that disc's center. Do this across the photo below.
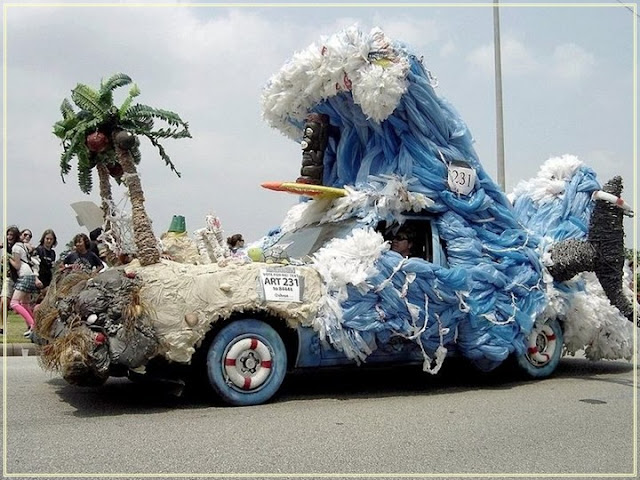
(143, 236)
(105, 193)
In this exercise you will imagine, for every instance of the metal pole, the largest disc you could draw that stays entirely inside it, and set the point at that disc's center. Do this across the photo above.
(498, 81)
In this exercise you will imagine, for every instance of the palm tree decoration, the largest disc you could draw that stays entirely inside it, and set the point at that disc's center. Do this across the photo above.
(103, 136)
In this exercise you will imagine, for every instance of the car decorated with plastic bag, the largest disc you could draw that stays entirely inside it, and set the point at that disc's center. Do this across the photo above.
(532, 276)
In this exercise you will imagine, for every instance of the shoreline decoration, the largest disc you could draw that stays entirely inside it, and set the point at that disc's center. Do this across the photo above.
(394, 129)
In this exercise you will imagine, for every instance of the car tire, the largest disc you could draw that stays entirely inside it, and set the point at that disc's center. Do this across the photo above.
(246, 362)
(544, 349)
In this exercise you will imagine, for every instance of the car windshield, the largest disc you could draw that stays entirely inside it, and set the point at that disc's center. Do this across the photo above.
(302, 243)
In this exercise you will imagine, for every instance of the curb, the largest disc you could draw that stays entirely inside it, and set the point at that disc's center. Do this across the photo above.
(20, 350)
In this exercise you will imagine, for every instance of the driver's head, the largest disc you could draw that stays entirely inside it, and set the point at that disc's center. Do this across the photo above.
(402, 241)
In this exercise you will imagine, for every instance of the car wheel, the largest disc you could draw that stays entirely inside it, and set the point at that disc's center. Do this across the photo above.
(544, 349)
(246, 362)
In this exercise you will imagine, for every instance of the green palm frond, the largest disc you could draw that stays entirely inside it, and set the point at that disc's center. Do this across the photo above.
(107, 87)
(144, 123)
(88, 99)
(67, 110)
(171, 118)
(171, 133)
(65, 164)
(134, 91)
(113, 82)
(71, 149)
(163, 154)
(85, 177)
(62, 127)
(89, 125)
(138, 111)
(70, 120)
(138, 125)
(69, 129)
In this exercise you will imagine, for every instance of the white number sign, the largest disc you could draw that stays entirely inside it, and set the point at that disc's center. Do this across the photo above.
(461, 179)
(281, 285)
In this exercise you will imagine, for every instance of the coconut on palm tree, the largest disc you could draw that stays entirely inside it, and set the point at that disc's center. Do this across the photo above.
(105, 137)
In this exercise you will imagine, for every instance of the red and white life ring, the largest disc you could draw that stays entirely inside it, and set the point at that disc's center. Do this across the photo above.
(542, 344)
(248, 363)
(612, 199)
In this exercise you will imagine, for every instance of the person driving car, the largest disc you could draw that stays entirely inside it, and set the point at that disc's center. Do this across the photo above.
(402, 241)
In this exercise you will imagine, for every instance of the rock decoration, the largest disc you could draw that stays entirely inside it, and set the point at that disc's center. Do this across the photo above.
(90, 327)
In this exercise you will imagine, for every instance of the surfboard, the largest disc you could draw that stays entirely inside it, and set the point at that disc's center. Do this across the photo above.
(306, 189)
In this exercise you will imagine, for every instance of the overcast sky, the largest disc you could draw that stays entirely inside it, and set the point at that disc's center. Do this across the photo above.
(567, 79)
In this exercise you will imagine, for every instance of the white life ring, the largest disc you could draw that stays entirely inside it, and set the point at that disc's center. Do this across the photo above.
(248, 363)
(546, 338)
(613, 200)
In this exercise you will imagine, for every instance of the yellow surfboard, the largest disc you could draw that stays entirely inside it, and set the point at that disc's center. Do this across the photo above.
(306, 189)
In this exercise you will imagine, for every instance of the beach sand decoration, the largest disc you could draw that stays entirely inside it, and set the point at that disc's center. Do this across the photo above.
(395, 146)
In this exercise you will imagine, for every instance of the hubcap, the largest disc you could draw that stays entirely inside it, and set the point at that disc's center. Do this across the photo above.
(247, 363)
(250, 362)
(541, 342)
(542, 345)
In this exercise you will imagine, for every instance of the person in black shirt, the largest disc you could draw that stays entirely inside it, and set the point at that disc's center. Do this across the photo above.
(83, 258)
(47, 256)
(93, 237)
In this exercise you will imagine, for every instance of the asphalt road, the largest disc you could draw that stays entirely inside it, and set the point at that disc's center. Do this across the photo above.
(363, 422)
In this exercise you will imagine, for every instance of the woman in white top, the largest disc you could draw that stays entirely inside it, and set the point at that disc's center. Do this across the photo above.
(27, 282)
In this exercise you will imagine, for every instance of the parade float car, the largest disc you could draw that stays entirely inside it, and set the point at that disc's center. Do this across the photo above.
(532, 277)
(249, 323)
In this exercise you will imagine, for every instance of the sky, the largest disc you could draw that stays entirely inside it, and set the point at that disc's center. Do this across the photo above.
(567, 75)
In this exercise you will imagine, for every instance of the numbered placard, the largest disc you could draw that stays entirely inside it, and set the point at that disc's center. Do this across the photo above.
(461, 179)
(281, 285)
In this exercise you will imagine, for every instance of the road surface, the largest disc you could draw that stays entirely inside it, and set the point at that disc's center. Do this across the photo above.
(376, 421)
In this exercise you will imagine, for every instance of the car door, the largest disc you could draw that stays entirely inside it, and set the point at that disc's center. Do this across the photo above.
(428, 247)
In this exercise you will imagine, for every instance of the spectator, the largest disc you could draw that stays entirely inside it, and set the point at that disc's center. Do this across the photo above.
(235, 242)
(47, 256)
(25, 237)
(12, 236)
(83, 258)
(93, 237)
(27, 282)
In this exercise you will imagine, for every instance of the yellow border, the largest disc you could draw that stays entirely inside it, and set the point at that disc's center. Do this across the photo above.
(635, 235)
(316, 5)
(4, 229)
(633, 474)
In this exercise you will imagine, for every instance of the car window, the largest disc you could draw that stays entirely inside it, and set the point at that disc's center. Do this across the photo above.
(302, 243)
(422, 241)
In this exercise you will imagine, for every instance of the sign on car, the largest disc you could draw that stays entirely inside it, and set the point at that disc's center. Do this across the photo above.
(281, 284)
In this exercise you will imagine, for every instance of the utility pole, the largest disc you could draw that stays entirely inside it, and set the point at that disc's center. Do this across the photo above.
(498, 81)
